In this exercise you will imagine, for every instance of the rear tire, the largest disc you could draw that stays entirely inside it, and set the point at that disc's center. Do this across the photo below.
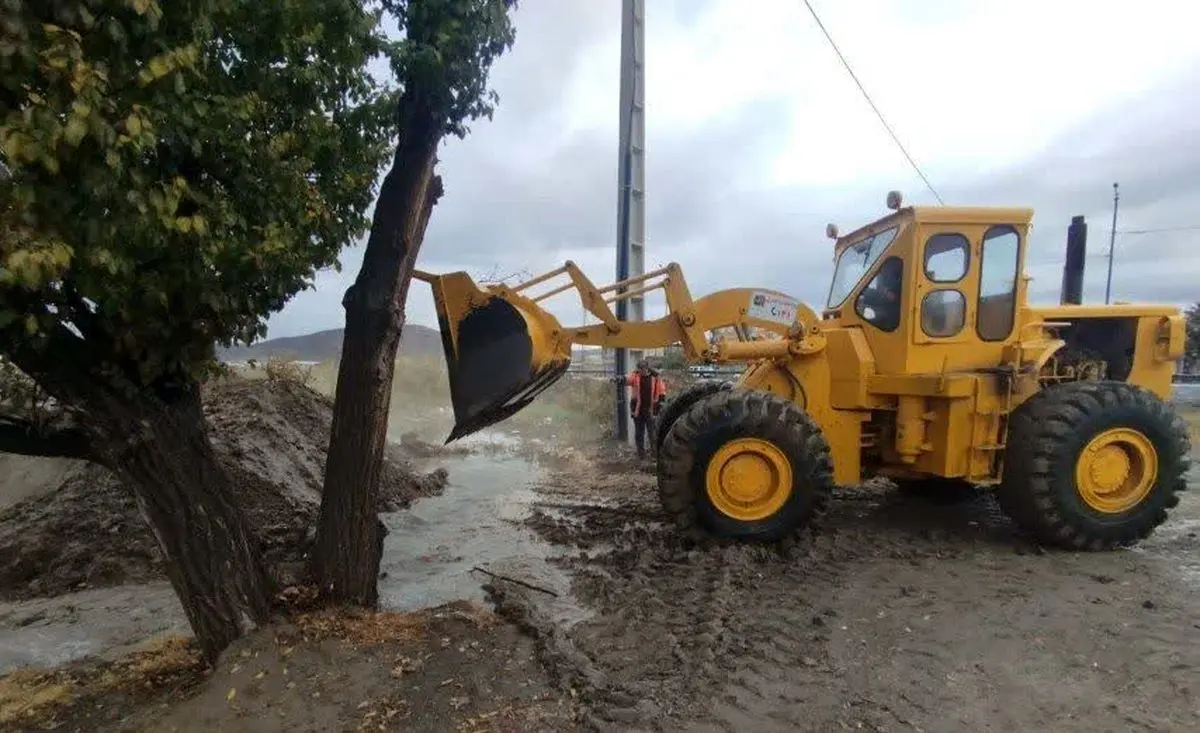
(1093, 465)
(747, 465)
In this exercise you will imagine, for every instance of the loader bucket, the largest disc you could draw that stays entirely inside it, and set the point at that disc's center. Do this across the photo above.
(501, 350)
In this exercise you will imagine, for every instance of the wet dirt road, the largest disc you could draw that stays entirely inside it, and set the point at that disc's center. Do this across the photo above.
(904, 615)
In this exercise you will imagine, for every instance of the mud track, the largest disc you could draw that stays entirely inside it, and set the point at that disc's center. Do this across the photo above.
(904, 614)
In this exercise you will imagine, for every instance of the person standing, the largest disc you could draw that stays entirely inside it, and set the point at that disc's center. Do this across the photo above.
(648, 394)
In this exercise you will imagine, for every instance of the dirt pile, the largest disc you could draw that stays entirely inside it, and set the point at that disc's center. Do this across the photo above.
(84, 528)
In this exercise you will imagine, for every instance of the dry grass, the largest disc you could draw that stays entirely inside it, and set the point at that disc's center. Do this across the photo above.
(360, 627)
(290, 371)
(30, 697)
(36, 697)
(420, 384)
(42, 698)
(310, 620)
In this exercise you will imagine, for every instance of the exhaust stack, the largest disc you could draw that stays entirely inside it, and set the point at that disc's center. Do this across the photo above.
(1072, 278)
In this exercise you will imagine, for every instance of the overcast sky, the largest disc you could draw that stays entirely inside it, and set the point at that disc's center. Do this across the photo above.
(757, 137)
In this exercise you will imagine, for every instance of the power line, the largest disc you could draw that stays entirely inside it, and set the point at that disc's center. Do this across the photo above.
(871, 102)
(1164, 230)
(1094, 256)
(1037, 262)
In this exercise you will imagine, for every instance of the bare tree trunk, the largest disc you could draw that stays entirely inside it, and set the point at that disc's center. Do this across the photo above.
(186, 497)
(349, 544)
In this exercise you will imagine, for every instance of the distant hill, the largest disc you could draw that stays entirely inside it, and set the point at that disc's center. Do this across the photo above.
(326, 345)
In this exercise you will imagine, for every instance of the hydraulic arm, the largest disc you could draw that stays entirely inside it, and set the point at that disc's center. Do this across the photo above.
(503, 348)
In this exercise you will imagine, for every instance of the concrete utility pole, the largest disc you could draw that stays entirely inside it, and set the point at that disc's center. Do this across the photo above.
(1112, 243)
(631, 180)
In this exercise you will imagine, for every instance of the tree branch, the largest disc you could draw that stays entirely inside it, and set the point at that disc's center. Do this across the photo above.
(25, 438)
(59, 364)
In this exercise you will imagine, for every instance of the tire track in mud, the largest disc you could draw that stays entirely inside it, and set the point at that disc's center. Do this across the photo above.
(659, 633)
(903, 614)
(730, 638)
(781, 654)
(801, 667)
(683, 636)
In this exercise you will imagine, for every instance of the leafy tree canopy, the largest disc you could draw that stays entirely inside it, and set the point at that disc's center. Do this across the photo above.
(450, 47)
(1191, 357)
(174, 170)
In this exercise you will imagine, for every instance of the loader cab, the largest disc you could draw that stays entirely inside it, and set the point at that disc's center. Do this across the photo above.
(933, 288)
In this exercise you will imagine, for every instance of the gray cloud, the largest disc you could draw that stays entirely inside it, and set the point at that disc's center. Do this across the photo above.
(518, 195)
(1149, 145)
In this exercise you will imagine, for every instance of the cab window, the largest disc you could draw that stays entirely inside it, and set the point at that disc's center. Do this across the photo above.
(854, 262)
(879, 302)
(997, 283)
(943, 313)
(946, 257)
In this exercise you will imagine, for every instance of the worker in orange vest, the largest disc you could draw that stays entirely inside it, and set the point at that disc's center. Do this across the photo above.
(648, 393)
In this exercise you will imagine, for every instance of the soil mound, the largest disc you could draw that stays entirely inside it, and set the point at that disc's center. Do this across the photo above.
(83, 528)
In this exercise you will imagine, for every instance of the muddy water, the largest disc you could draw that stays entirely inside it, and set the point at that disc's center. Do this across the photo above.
(428, 559)
(98, 622)
(433, 548)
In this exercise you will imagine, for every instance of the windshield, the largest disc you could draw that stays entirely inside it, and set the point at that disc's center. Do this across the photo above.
(854, 261)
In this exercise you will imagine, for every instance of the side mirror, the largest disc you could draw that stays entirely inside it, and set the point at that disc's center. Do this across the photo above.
(831, 231)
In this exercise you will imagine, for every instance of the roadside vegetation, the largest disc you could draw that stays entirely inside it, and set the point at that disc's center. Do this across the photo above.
(155, 203)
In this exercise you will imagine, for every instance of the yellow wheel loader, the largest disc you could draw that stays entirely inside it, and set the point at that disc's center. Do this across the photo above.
(926, 363)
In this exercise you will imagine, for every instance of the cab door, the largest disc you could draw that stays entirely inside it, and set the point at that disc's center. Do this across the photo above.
(943, 307)
(965, 296)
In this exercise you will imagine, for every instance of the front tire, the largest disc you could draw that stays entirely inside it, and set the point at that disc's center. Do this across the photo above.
(680, 404)
(1093, 465)
(746, 465)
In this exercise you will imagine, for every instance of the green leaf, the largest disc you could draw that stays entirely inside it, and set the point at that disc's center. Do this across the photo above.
(159, 67)
(75, 130)
(223, 193)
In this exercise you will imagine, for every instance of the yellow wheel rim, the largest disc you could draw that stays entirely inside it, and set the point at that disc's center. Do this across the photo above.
(1116, 470)
(748, 479)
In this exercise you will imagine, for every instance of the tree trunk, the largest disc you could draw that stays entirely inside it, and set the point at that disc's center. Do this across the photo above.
(349, 543)
(164, 455)
(156, 440)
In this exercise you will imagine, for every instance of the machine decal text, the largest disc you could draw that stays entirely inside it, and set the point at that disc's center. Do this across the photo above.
(772, 307)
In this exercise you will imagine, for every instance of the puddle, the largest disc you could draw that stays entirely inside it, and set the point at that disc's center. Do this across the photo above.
(1177, 541)
(432, 547)
(1176, 544)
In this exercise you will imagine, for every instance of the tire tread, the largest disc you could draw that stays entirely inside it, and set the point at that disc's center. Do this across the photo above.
(1042, 428)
